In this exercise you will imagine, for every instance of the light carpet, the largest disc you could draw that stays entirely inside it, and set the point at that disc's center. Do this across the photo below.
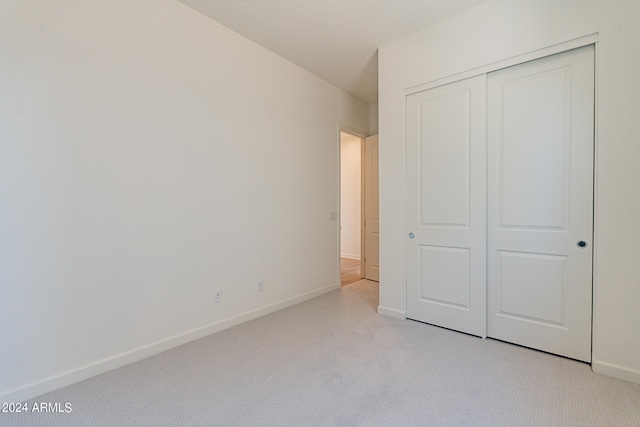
(332, 361)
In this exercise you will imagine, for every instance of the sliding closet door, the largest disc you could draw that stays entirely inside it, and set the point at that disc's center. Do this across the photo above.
(446, 206)
(540, 203)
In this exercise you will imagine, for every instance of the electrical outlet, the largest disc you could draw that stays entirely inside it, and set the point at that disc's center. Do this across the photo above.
(217, 297)
(260, 285)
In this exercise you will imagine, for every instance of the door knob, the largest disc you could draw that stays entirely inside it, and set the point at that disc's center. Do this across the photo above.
(582, 244)
(411, 235)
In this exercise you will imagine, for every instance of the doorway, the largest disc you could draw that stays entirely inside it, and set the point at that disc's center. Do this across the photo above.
(359, 208)
(351, 208)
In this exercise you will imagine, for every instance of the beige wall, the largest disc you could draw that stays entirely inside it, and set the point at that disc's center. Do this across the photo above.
(148, 158)
(503, 29)
(373, 118)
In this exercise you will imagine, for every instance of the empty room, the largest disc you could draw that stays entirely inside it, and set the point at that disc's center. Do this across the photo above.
(173, 213)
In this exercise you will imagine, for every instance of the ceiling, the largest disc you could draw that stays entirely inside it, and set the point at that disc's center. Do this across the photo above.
(336, 40)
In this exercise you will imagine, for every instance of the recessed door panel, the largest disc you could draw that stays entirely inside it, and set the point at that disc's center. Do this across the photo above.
(533, 146)
(531, 286)
(445, 276)
(444, 158)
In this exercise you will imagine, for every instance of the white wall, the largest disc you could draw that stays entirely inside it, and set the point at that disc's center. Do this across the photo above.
(373, 118)
(350, 196)
(502, 29)
(149, 157)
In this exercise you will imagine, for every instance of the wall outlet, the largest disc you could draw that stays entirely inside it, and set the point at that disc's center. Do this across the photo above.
(260, 285)
(217, 297)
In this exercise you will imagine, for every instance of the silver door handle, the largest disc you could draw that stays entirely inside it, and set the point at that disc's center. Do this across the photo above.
(411, 235)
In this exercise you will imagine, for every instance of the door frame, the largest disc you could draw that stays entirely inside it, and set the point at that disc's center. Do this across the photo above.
(591, 39)
(362, 135)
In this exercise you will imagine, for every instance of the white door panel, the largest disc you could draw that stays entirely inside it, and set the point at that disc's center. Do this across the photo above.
(371, 209)
(446, 208)
(444, 159)
(534, 150)
(540, 203)
(444, 275)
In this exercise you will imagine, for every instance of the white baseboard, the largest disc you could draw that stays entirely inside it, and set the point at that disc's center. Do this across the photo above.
(55, 382)
(351, 256)
(392, 312)
(616, 371)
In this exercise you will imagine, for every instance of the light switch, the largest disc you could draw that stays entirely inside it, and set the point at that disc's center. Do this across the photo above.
(333, 216)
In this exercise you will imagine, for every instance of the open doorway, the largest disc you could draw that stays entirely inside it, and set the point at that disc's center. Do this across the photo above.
(351, 208)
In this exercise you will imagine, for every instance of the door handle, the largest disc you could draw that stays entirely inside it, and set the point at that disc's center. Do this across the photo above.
(411, 235)
(582, 244)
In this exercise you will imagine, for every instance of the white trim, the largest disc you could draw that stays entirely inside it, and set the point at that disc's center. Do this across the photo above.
(616, 371)
(352, 131)
(519, 59)
(351, 256)
(594, 231)
(55, 382)
(392, 312)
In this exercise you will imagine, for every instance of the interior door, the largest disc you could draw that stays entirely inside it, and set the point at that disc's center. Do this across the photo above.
(540, 203)
(371, 217)
(446, 206)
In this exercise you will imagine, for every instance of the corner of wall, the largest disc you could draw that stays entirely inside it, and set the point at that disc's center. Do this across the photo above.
(392, 312)
(373, 118)
(616, 371)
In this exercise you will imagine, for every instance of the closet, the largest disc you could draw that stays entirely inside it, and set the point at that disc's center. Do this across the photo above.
(500, 204)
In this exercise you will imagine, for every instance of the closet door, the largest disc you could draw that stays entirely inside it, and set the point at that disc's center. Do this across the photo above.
(540, 203)
(446, 206)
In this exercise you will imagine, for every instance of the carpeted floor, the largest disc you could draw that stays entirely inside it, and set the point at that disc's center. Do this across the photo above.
(333, 361)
